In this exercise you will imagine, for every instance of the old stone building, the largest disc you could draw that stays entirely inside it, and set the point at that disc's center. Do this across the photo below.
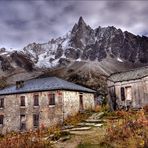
(129, 89)
(44, 101)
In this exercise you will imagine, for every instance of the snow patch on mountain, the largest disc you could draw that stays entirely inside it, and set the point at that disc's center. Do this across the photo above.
(119, 59)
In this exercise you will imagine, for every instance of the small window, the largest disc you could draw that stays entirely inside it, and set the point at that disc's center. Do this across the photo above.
(36, 120)
(36, 100)
(1, 119)
(122, 94)
(22, 101)
(51, 98)
(1, 102)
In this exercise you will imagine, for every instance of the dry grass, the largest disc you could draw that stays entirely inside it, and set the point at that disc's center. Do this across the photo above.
(123, 129)
(130, 130)
(38, 138)
(146, 109)
(74, 120)
(32, 139)
(29, 139)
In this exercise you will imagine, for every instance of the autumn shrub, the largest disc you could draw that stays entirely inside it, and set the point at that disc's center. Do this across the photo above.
(97, 108)
(145, 109)
(131, 131)
(41, 137)
(74, 120)
(105, 108)
(31, 139)
(28, 139)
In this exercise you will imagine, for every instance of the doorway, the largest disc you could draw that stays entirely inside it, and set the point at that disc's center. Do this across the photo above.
(22, 122)
(81, 102)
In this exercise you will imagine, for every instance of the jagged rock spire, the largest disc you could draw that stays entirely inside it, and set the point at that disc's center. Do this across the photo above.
(74, 28)
(80, 25)
(81, 22)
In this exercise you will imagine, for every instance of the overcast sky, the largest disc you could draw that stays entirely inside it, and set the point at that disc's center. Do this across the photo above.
(26, 21)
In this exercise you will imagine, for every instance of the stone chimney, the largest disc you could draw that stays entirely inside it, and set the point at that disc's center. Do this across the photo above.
(19, 84)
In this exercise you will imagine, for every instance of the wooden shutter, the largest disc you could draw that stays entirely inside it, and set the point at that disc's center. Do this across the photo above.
(22, 101)
(122, 94)
(1, 102)
(1, 119)
(51, 98)
(36, 100)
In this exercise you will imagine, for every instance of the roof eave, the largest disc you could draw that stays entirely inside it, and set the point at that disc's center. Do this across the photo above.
(24, 92)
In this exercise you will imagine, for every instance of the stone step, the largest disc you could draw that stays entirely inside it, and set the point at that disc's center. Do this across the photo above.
(86, 124)
(65, 138)
(93, 121)
(67, 127)
(80, 129)
(97, 115)
(98, 125)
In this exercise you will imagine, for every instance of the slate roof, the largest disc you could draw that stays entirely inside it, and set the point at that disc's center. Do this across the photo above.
(133, 74)
(44, 84)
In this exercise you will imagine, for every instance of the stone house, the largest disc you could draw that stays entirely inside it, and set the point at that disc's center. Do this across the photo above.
(44, 101)
(129, 89)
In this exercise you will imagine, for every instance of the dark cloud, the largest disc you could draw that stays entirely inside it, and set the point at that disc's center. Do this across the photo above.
(25, 21)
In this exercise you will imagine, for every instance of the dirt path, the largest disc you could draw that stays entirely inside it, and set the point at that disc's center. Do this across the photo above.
(93, 135)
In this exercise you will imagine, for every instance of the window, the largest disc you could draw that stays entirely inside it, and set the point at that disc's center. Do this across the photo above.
(128, 93)
(122, 94)
(22, 122)
(19, 84)
(36, 120)
(36, 100)
(1, 119)
(22, 101)
(51, 98)
(1, 102)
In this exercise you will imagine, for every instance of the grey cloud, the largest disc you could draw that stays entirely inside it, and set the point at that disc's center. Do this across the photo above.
(27, 21)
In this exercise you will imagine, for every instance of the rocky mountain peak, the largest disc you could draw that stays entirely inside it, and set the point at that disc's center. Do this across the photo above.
(80, 26)
(106, 49)
(81, 22)
(74, 29)
(81, 34)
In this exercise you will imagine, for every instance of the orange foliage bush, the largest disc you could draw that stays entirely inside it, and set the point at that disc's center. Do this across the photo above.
(145, 108)
(132, 129)
(97, 108)
(74, 120)
(29, 139)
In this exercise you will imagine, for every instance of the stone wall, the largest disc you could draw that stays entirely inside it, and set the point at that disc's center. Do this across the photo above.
(48, 115)
(66, 103)
(72, 102)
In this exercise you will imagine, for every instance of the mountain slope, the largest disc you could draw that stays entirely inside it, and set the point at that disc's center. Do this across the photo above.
(83, 51)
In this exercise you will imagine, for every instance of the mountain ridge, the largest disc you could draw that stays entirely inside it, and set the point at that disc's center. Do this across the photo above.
(83, 51)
